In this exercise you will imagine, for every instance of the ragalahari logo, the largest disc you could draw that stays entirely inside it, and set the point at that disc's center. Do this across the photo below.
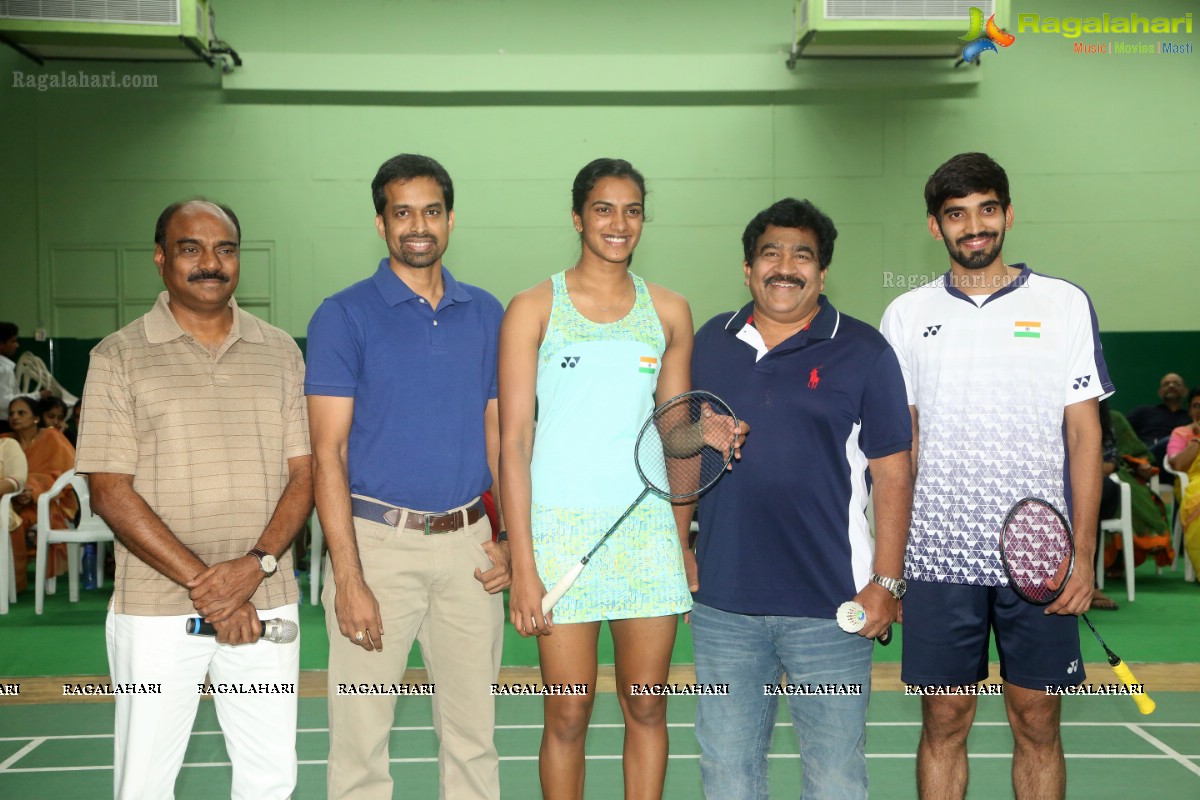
(982, 37)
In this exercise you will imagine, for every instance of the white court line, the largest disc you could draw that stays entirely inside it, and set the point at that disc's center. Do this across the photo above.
(17, 756)
(1164, 747)
(618, 756)
(522, 727)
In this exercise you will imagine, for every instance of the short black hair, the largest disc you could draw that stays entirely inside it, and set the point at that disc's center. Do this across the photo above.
(405, 167)
(597, 170)
(164, 219)
(792, 213)
(8, 330)
(966, 173)
(1193, 394)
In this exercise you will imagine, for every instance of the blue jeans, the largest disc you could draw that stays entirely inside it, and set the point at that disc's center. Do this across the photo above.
(751, 652)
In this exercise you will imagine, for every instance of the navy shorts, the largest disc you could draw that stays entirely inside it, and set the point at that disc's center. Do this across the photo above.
(947, 627)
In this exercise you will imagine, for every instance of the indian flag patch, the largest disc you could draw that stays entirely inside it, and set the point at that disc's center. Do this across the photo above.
(648, 364)
(1027, 330)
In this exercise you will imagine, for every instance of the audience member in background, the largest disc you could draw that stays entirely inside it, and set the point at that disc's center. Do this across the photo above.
(10, 343)
(54, 414)
(49, 455)
(1136, 466)
(1184, 452)
(1154, 423)
(14, 469)
(1110, 495)
(72, 424)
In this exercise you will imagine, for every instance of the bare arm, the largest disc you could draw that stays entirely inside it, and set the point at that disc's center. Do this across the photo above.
(892, 481)
(1084, 452)
(1182, 461)
(356, 608)
(520, 336)
(499, 577)
(675, 377)
(141, 530)
(224, 587)
(146, 536)
(912, 410)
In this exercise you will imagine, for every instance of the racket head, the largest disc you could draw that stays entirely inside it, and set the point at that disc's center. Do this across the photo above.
(1037, 550)
(686, 445)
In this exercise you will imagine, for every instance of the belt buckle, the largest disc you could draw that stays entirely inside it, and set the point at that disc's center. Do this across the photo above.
(428, 518)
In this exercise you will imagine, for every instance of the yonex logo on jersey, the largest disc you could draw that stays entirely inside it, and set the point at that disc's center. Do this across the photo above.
(814, 377)
(1027, 330)
(570, 361)
(1074, 667)
(931, 330)
(1082, 382)
(648, 364)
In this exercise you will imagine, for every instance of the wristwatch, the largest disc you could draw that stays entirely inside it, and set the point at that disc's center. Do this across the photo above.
(502, 536)
(896, 586)
(266, 562)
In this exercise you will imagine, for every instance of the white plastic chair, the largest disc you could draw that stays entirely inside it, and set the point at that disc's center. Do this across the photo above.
(1189, 569)
(91, 528)
(1122, 524)
(8, 572)
(33, 375)
(314, 559)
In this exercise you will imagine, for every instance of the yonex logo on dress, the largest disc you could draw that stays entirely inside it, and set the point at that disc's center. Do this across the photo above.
(1082, 382)
(1074, 667)
(569, 361)
(931, 330)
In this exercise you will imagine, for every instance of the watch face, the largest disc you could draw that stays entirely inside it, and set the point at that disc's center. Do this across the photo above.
(901, 588)
(268, 563)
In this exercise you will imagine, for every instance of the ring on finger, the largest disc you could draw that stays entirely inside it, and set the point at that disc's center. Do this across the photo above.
(358, 637)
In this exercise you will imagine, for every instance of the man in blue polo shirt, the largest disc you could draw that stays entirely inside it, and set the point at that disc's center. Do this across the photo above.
(401, 386)
(784, 539)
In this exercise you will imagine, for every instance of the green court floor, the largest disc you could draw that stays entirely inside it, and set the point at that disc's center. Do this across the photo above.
(65, 751)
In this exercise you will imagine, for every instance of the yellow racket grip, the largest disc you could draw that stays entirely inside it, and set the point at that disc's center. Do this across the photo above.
(1144, 703)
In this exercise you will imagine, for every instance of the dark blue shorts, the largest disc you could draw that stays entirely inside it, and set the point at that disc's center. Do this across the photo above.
(946, 632)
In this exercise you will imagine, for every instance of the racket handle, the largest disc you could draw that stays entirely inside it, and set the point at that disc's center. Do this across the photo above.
(559, 589)
(1144, 703)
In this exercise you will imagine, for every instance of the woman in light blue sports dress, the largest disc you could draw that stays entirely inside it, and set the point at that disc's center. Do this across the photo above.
(584, 359)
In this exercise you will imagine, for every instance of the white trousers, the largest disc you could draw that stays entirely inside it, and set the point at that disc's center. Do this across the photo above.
(254, 688)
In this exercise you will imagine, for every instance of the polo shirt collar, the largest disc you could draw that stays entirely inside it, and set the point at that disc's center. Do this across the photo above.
(396, 291)
(823, 326)
(161, 326)
(1015, 284)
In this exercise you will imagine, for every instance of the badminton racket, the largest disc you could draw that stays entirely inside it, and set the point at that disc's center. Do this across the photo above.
(852, 618)
(684, 447)
(1038, 554)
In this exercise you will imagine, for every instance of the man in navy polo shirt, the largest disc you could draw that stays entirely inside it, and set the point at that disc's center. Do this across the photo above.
(401, 386)
(784, 539)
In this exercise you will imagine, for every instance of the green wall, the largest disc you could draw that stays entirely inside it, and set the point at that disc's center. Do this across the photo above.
(515, 96)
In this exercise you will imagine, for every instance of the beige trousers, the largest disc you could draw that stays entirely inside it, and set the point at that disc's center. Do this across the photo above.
(426, 589)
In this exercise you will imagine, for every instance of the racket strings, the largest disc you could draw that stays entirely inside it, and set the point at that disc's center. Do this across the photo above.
(686, 445)
(1037, 549)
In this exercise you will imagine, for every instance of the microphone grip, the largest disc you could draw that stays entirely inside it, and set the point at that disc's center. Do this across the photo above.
(280, 631)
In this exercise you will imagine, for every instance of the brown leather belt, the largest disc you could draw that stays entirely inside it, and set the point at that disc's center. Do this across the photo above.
(415, 520)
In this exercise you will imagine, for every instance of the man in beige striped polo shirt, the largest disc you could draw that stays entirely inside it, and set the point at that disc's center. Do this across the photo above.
(196, 443)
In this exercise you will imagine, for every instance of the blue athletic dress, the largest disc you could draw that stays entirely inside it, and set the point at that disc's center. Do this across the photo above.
(595, 389)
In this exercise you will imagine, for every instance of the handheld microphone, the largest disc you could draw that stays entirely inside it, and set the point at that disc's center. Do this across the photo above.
(852, 618)
(279, 631)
